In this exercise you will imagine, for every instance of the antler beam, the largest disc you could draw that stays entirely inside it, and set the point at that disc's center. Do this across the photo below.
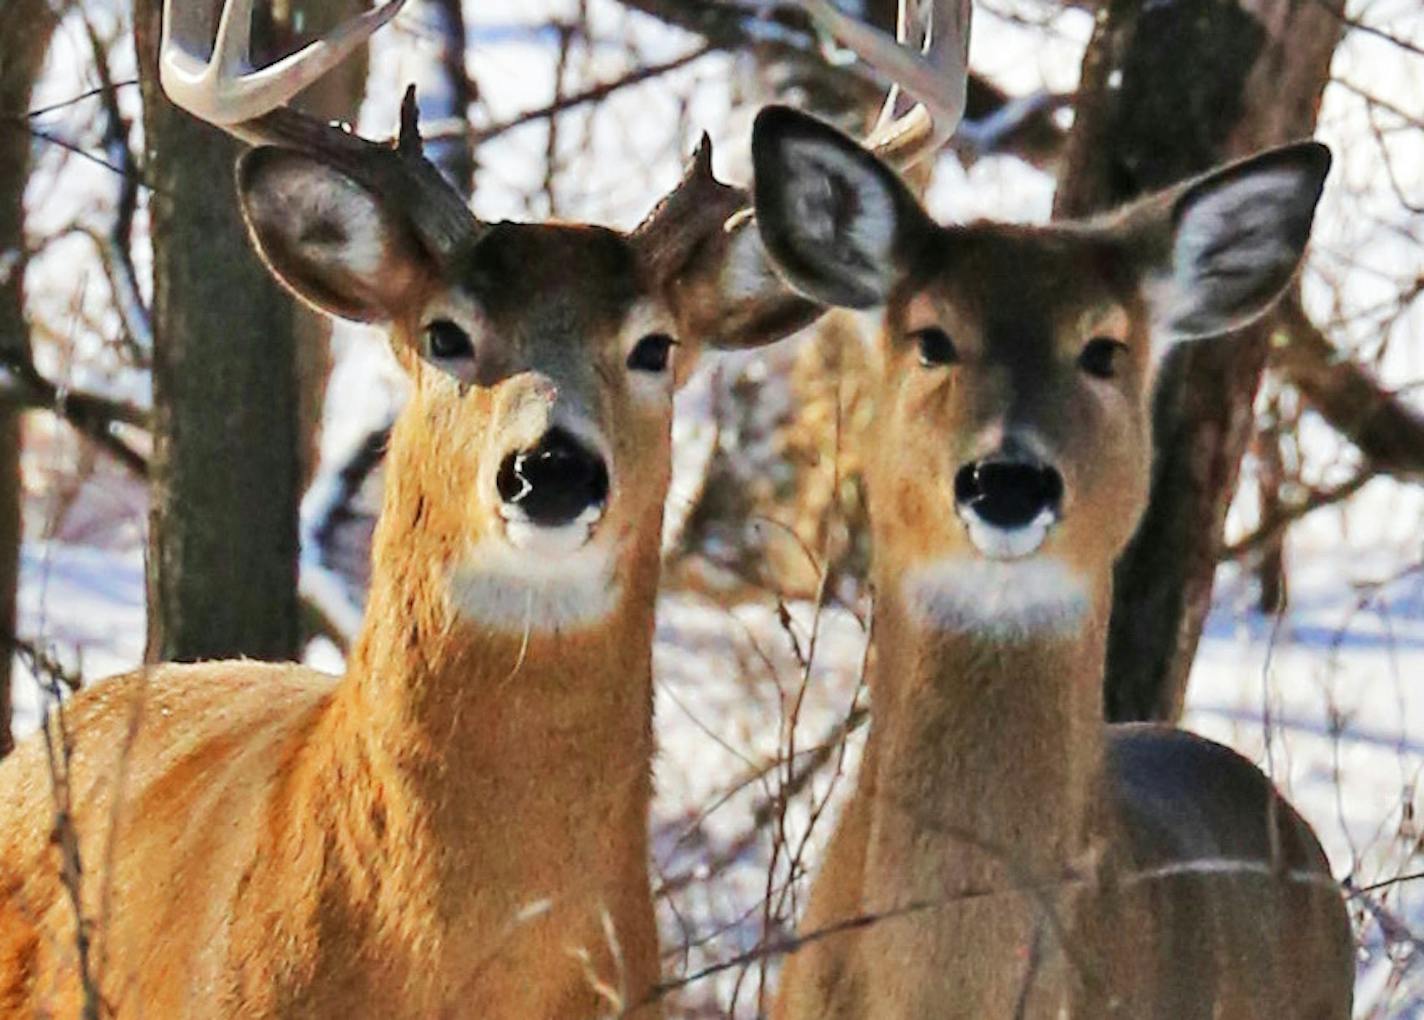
(929, 61)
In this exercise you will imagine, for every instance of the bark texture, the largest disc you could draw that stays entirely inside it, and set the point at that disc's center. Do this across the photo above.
(1168, 91)
(222, 558)
(239, 386)
(25, 30)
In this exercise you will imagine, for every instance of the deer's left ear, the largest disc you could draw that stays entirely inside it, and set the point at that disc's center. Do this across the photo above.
(840, 224)
(701, 247)
(1222, 248)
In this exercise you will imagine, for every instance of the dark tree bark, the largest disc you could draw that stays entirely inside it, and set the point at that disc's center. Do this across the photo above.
(222, 558)
(1169, 90)
(25, 30)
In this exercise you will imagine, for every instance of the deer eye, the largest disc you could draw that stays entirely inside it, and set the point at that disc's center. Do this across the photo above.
(651, 353)
(936, 348)
(445, 341)
(1100, 357)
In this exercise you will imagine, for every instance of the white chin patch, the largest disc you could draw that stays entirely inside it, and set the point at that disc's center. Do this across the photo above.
(538, 540)
(537, 579)
(1007, 543)
(997, 597)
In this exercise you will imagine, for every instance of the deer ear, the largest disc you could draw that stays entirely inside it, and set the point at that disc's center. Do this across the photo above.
(328, 239)
(729, 295)
(1229, 243)
(838, 223)
(700, 244)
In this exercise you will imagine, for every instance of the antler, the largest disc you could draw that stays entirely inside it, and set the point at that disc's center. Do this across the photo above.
(250, 103)
(710, 221)
(936, 77)
(226, 90)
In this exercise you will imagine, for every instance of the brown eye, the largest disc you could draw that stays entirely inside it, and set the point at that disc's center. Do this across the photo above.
(445, 341)
(651, 353)
(1100, 357)
(936, 348)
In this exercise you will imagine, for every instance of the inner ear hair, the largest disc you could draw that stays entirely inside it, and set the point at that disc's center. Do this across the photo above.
(329, 240)
(836, 220)
(1215, 252)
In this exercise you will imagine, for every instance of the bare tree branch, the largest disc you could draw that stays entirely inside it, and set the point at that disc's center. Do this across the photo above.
(1387, 431)
(995, 122)
(90, 414)
(589, 95)
(1287, 514)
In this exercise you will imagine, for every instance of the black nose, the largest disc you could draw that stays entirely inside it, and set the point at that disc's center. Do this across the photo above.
(1008, 494)
(554, 481)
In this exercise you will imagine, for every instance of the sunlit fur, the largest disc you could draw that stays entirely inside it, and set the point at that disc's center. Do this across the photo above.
(1004, 853)
(458, 826)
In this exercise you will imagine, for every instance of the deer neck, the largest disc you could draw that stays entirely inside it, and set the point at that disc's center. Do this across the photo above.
(506, 769)
(982, 769)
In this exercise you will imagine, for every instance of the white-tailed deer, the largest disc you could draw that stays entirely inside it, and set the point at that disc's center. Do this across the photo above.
(458, 826)
(1006, 854)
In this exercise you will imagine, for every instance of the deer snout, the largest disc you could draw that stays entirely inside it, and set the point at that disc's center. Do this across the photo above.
(1008, 505)
(556, 482)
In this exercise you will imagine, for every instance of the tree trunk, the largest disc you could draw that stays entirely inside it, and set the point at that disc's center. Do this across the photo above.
(1169, 90)
(25, 30)
(222, 557)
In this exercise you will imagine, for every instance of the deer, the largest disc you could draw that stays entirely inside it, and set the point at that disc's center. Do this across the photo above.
(458, 825)
(1005, 853)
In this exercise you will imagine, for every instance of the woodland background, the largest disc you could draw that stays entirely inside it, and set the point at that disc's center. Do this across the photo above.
(190, 464)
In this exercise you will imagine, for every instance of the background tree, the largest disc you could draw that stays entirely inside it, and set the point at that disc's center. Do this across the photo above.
(238, 371)
(25, 30)
(1168, 91)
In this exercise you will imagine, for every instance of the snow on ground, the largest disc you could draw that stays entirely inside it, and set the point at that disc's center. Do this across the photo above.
(1325, 699)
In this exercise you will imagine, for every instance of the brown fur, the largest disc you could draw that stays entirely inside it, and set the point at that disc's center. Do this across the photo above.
(1005, 837)
(456, 827)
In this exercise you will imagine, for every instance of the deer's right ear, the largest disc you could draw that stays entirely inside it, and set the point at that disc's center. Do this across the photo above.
(840, 225)
(331, 241)
(1220, 249)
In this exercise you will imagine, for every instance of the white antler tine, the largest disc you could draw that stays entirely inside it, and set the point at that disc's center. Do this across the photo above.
(232, 46)
(936, 79)
(293, 73)
(226, 91)
(911, 31)
(948, 50)
(180, 70)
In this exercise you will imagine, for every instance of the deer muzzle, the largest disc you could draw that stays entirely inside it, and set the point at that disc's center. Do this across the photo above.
(1008, 506)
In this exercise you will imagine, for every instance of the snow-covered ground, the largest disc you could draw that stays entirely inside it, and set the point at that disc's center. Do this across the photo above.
(1326, 697)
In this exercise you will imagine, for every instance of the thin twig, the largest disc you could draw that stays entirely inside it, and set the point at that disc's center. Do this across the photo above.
(589, 95)
(92, 415)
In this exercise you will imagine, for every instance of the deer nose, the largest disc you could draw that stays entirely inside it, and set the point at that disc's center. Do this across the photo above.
(1008, 494)
(554, 481)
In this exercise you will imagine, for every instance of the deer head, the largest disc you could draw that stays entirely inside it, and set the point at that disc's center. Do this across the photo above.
(1015, 363)
(543, 357)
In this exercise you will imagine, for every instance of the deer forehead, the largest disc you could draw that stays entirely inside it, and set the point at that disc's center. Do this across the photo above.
(567, 281)
(1013, 289)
